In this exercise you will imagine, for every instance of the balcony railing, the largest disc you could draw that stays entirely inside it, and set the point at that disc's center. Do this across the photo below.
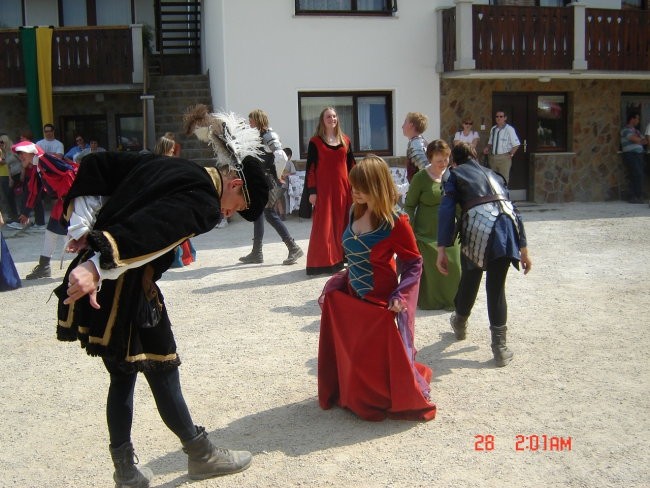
(523, 38)
(81, 57)
(546, 38)
(618, 40)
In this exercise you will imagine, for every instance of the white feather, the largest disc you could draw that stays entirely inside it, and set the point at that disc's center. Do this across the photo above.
(237, 141)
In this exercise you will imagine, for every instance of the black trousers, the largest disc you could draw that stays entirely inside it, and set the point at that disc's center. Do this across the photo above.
(495, 288)
(166, 389)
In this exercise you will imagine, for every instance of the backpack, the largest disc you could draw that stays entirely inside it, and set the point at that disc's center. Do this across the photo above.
(54, 175)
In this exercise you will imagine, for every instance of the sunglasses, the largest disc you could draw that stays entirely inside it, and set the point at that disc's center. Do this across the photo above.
(468, 123)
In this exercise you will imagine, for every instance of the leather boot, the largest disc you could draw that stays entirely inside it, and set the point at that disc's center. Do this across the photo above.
(204, 460)
(255, 256)
(294, 252)
(126, 473)
(502, 355)
(41, 270)
(459, 324)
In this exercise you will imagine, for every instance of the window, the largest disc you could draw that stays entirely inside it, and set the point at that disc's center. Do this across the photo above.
(635, 4)
(129, 132)
(346, 7)
(11, 14)
(551, 123)
(365, 117)
(86, 125)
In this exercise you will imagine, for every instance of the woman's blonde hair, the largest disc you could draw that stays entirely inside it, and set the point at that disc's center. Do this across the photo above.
(320, 130)
(372, 176)
(164, 146)
(260, 118)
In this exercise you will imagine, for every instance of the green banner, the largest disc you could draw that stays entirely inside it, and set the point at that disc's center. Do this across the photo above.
(28, 45)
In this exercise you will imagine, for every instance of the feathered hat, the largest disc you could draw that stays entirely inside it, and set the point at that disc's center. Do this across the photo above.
(239, 145)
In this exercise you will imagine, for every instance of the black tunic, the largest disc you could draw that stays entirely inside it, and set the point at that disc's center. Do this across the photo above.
(154, 204)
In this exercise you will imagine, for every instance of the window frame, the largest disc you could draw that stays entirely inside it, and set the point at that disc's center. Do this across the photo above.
(119, 131)
(389, 10)
(354, 132)
(541, 148)
(87, 125)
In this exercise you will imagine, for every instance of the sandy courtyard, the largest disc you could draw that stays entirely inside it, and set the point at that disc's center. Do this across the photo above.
(575, 397)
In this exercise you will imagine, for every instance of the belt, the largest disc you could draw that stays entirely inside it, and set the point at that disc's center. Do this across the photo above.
(480, 200)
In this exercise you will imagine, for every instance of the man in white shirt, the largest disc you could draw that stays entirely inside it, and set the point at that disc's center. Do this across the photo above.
(502, 145)
(50, 144)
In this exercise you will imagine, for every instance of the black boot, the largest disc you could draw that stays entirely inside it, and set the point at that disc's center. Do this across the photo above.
(41, 270)
(459, 324)
(255, 255)
(126, 473)
(294, 252)
(204, 460)
(502, 355)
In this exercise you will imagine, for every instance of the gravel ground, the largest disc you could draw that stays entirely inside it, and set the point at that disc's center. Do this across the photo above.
(574, 398)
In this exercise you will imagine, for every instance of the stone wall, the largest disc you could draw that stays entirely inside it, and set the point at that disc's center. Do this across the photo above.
(594, 172)
(13, 111)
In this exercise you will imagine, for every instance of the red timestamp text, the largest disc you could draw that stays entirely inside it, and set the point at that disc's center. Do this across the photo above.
(530, 442)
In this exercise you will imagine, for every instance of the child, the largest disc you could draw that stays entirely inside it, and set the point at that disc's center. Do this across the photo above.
(368, 311)
(416, 156)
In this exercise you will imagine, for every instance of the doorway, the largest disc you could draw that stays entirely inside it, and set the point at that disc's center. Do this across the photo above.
(516, 107)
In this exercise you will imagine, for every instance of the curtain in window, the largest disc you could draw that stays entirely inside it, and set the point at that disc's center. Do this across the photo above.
(371, 5)
(11, 14)
(326, 4)
(373, 126)
(74, 13)
(311, 107)
(113, 12)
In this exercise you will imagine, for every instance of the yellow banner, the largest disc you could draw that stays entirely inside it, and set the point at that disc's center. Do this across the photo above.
(44, 62)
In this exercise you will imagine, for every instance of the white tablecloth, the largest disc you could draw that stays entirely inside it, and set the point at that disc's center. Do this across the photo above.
(297, 182)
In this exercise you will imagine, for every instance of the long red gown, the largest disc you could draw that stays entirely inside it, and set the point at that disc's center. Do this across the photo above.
(327, 177)
(366, 353)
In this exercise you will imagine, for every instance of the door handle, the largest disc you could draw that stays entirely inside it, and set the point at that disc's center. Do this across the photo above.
(525, 145)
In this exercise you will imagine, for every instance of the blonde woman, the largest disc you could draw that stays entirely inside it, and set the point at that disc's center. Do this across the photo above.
(327, 192)
(366, 357)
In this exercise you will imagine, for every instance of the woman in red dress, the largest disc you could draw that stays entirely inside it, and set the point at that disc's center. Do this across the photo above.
(329, 160)
(366, 351)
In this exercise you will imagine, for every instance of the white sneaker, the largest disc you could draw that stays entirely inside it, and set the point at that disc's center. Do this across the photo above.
(38, 227)
(16, 226)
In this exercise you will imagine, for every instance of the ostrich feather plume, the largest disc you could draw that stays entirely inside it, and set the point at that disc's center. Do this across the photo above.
(229, 135)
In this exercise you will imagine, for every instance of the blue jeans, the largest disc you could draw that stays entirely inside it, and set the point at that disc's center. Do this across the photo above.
(272, 218)
(634, 162)
(165, 386)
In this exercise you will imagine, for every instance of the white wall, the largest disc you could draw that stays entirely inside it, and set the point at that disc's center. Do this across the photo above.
(260, 55)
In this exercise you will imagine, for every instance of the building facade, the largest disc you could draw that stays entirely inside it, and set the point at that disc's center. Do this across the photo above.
(566, 73)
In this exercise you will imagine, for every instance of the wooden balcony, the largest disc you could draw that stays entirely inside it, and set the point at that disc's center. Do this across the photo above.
(483, 38)
(83, 59)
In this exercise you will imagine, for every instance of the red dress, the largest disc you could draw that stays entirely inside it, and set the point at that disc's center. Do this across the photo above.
(327, 177)
(366, 353)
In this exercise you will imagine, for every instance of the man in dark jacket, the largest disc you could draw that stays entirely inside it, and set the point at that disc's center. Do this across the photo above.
(126, 213)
